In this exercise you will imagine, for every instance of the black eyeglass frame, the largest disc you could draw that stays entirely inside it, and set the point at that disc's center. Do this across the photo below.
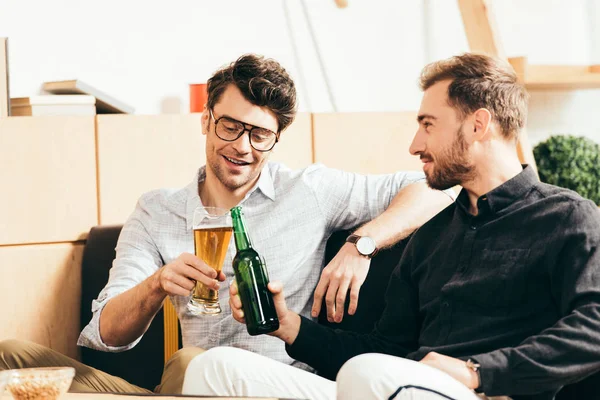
(244, 125)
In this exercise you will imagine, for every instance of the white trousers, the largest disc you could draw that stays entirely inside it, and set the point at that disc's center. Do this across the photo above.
(227, 371)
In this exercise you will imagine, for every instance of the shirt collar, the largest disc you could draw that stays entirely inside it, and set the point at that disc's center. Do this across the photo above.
(504, 195)
(264, 184)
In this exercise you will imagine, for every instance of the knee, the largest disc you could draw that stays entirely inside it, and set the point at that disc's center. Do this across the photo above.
(221, 361)
(358, 368)
(10, 352)
(212, 372)
(182, 358)
(13, 346)
(370, 371)
(355, 378)
(215, 358)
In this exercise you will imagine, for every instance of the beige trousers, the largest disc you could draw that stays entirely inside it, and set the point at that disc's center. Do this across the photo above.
(21, 354)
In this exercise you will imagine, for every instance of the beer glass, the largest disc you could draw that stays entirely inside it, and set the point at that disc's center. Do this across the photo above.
(212, 232)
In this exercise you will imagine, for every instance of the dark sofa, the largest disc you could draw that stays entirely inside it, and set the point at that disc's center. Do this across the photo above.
(99, 253)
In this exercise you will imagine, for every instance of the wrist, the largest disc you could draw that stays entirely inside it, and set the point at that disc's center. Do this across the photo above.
(366, 230)
(289, 328)
(474, 375)
(155, 285)
(364, 245)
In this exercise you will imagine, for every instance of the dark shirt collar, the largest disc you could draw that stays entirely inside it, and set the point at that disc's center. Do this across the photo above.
(502, 196)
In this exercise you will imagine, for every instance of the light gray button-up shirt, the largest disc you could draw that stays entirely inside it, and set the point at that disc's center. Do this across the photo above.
(289, 215)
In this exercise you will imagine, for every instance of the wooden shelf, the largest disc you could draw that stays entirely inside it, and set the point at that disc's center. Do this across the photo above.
(556, 77)
(483, 37)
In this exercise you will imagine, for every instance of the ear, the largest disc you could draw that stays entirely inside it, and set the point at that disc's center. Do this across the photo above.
(205, 120)
(482, 122)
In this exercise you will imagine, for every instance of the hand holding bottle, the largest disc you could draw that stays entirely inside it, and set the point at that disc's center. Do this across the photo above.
(289, 321)
(252, 277)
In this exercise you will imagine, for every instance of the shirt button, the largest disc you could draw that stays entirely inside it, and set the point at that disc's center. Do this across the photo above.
(473, 227)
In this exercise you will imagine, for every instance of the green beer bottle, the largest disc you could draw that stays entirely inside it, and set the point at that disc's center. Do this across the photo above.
(252, 279)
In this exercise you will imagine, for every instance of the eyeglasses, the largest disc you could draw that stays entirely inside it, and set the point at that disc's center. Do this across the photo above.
(229, 130)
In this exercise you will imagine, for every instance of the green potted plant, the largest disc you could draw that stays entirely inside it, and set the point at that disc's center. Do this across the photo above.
(571, 162)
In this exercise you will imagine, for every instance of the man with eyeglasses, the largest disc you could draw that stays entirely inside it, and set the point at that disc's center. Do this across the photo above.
(291, 214)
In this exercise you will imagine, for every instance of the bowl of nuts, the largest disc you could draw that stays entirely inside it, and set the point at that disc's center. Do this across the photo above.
(38, 383)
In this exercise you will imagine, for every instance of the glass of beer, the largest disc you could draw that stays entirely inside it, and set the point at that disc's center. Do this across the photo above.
(212, 232)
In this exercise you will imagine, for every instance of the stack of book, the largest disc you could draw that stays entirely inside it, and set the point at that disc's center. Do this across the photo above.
(72, 97)
(53, 105)
(68, 98)
(105, 104)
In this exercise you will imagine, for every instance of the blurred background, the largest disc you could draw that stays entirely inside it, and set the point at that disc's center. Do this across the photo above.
(66, 171)
(365, 57)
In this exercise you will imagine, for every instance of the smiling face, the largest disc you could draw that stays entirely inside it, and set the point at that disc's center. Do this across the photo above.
(440, 141)
(236, 165)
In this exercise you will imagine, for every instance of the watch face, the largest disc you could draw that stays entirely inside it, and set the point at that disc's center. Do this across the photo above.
(365, 246)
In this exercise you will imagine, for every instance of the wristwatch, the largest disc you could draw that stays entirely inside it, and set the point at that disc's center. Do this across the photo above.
(475, 366)
(365, 245)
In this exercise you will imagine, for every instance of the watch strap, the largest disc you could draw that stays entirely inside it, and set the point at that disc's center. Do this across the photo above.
(353, 238)
(475, 366)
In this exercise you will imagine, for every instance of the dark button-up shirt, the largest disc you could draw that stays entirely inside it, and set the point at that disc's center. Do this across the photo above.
(516, 288)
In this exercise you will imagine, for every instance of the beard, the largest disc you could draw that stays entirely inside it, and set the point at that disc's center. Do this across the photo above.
(452, 166)
(231, 180)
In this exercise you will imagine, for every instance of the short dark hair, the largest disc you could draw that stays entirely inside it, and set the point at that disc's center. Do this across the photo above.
(480, 81)
(262, 81)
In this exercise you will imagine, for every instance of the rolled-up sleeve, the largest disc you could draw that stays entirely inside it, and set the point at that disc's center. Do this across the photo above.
(137, 257)
(349, 199)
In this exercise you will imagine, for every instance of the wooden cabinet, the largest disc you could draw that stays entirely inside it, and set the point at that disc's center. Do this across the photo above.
(48, 179)
(40, 294)
(369, 143)
(139, 153)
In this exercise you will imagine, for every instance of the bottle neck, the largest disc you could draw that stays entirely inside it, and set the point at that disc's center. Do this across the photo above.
(242, 241)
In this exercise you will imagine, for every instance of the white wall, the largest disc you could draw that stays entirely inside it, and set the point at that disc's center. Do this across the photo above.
(555, 32)
(373, 50)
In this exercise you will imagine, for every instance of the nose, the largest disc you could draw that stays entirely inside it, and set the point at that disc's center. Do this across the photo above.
(418, 143)
(242, 144)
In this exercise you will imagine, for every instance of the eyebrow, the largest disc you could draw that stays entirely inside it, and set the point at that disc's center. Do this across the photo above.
(245, 123)
(421, 117)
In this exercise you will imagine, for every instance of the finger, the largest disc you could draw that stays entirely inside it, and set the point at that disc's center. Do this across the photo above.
(174, 278)
(235, 302)
(340, 298)
(198, 264)
(276, 289)
(233, 289)
(238, 315)
(181, 281)
(175, 290)
(354, 291)
(221, 277)
(334, 284)
(234, 311)
(198, 276)
(320, 292)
